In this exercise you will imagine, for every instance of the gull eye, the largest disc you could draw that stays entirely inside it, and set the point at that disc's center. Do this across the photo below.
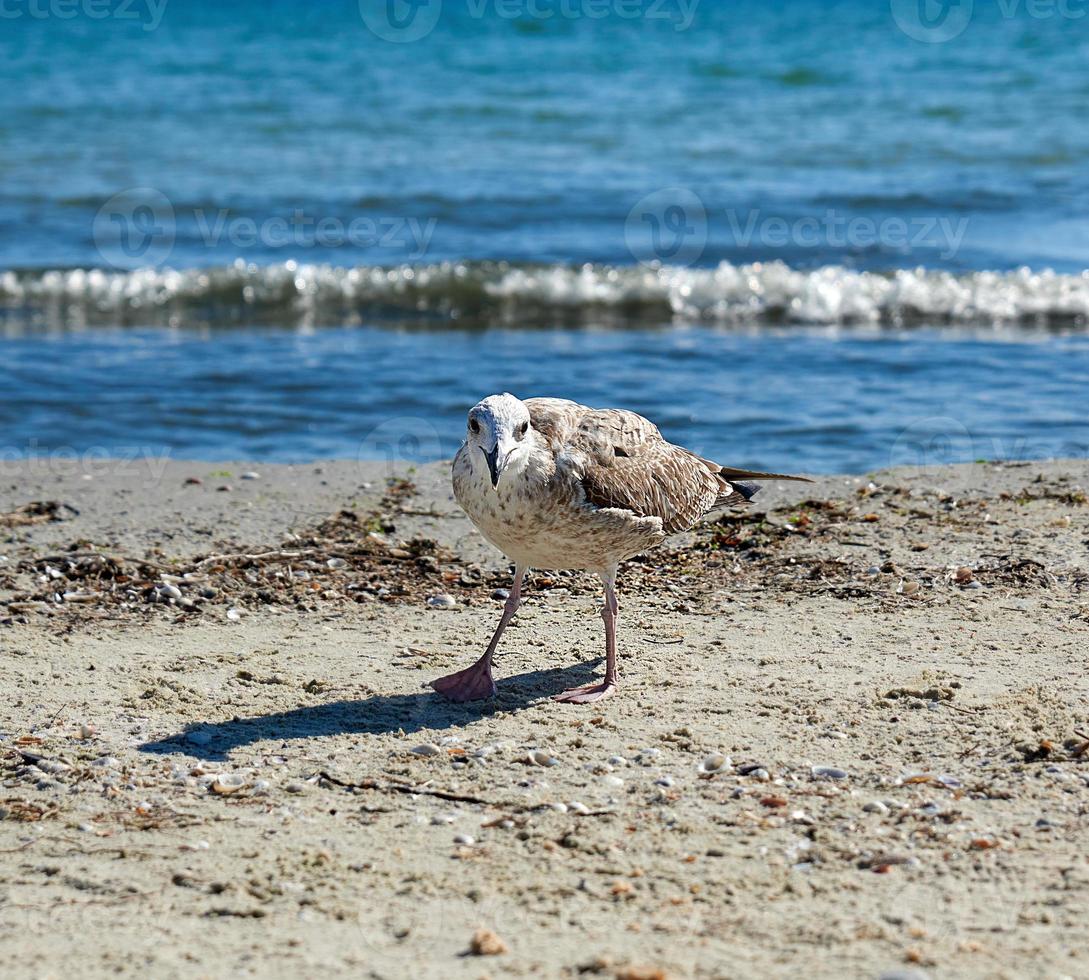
(474, 425)
(522, 430)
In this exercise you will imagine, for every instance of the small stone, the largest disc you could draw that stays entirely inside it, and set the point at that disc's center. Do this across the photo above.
(613, 782)
(875, 806)
(234, 615)
(295, 787)
(576, 807)
(714, 763)
(169, 591)
(106, 762)
(443, 819)
(828, 772)
(86, 731)
(486, 943)
(251, 475)
(502, 594)
(465, 839)
(538, 757)
(442, 601)
(427, 749)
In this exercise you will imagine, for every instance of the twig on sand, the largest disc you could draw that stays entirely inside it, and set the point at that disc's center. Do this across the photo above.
(263, 556)
(408, 789)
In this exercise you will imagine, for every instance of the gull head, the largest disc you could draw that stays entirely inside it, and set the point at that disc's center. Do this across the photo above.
(497, 429)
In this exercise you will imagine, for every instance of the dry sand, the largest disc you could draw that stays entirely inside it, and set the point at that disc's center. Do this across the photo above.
(224, 784)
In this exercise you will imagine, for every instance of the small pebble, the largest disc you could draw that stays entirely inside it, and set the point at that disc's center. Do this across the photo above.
(426, 749)
(467, 839)
(295, 788)
(503, 594)
(539, 757)
(828, 772)
(715, 762)
(233, 614)
(875, 806)
(442, 601)
(251, 475)
(106, 762)
(576, 807)
(86, 731)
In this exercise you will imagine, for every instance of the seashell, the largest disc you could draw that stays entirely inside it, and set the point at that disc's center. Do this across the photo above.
(665, 781)
(828, 772)
(87, 731)
(228, 782)
(715, 762)
(963, 575)
(441, 819)
(261, 787)
(169, 591)
(79, 597)
(251, 475)
(295, 787)
(617, 760)
(576, 807)
(907, 587)
(233, 614)
(875, 806)
(613, 782)
(466, 839)
(426, 749)
(442, 601)
(336, 563)
(558, 807)
(538, 757)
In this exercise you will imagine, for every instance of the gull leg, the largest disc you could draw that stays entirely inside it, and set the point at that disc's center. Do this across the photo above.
(596, 692)
(476, 682)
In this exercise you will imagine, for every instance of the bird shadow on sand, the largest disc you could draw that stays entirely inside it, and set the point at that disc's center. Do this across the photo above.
(377, 715)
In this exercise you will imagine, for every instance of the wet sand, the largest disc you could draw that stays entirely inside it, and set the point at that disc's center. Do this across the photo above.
(851, 738)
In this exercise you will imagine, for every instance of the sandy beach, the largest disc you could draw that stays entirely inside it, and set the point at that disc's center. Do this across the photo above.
(852, 737)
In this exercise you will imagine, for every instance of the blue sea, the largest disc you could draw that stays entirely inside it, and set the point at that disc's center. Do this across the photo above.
(829, 237)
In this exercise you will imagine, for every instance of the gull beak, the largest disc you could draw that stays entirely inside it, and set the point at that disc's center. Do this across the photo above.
(493, 464)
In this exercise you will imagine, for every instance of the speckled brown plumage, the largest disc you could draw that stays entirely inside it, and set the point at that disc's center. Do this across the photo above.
(554, 484)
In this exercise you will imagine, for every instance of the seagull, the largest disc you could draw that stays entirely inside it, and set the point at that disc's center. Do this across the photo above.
(556, 485)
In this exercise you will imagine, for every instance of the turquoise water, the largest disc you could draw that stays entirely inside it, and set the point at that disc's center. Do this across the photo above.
(678, 198)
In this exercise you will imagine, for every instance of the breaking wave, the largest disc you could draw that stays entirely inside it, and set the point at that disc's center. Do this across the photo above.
(499, 292)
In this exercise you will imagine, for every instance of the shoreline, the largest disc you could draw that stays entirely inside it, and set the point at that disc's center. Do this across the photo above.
(891, 672)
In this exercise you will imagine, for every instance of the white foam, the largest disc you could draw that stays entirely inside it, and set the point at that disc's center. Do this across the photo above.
(729, 294)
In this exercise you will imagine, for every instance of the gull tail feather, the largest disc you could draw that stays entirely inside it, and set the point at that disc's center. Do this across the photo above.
(740, 493)
(731, 474)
